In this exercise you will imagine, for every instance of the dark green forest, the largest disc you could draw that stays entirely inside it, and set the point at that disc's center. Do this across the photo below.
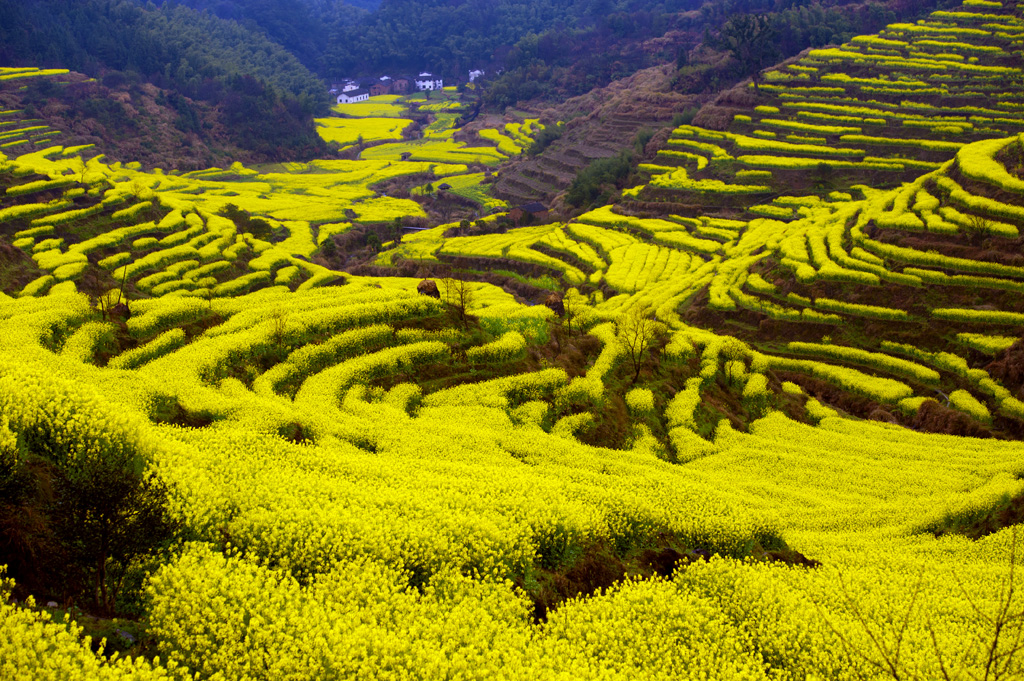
(264, 94)
(453, 37)
(303, 27)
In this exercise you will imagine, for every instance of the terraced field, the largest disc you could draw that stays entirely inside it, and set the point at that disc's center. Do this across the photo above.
(384, 118)
(770, 429)
(17, 133)
(601, 124)
(877, 111)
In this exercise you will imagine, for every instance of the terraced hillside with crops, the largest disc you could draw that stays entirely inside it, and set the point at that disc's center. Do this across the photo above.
(759, 418)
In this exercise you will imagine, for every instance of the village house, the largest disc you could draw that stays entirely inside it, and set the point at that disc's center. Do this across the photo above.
(349, 90)
(428, 81)
(474, 74)
(401, 85)
(344, 85)
(379, 88)
(352, 96)
(528, 213)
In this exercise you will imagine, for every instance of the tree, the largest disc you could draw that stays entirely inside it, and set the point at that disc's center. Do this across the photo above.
(112, 515)
(976, 228)
(444, 207)
(637, 330)
(280, 319)
(458, 294)
(590, 185)
(573, 303)
(751, 39)
(991, 653)
(106, 509)
(79, 169)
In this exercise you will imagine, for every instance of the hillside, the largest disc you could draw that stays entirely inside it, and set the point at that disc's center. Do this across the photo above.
(132, 121)
(875, 111)
(758, 416)
(601, 124)
(232, 88)
(606, 121)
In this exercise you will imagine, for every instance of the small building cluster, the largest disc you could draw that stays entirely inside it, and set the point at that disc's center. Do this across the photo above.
(350, 90)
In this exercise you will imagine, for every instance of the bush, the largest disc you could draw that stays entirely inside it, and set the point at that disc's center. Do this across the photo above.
(108, 513)
(101, 510)
(590, 184)
(640, 401)
(544, 139)
(685, 117)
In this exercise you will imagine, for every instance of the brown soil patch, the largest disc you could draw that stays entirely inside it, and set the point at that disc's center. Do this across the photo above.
(600, 124)
(1008, 368)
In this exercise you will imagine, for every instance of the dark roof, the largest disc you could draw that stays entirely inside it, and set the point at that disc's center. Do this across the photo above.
(444, 186)
(355, 93)
(532, 207)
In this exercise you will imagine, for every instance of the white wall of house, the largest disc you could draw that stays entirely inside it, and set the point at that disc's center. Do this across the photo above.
(428, 81)
(346, 98)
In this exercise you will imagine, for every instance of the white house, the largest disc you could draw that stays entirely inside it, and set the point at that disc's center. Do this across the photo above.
(474, 74)
(359, 95)
(428, 81)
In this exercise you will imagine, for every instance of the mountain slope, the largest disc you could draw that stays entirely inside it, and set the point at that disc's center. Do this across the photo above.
(600, 124)
(264, 97)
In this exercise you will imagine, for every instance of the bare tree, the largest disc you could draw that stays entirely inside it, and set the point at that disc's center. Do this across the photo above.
(79, 169)
(636, 330)
(280, 319)
(104, 303)
(572, 303)
(993, 655)
(977, 228)
(997, 653)
(443, 206)
(458, 294)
